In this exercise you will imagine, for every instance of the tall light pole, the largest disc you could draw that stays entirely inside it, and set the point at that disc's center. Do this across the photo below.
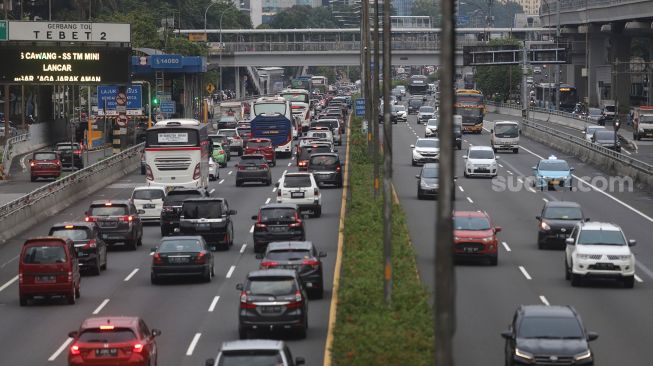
(221, 15)
(557, 78)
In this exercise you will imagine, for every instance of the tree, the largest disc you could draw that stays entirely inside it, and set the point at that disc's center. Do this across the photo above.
(304, 16)
(498, 82)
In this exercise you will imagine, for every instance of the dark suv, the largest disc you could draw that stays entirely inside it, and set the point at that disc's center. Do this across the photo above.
(70, 155)
(253, 168)
(172, 207)
(548, 335)
(118, 222)
(555, 223)
(277, 222)
(414, 104)
(90, 248)
(209, 218)
(303, 257)
(326, 168)
(272, 299)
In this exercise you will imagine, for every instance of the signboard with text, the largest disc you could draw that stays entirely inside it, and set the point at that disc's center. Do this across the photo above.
(166, 61)
(64, 65)
(167, 107)
(108, 94)
(3, 30)
(69, 31)
(360, 106)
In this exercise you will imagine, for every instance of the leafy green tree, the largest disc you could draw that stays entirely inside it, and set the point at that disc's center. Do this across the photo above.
(304, 16)
(498, 82)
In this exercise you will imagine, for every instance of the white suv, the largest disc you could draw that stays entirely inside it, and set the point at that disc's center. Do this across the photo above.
(301, 189)
(150, 200)
(598, 249)
(480, 161)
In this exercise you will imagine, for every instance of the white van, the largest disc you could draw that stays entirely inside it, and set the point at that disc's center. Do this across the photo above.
(505, 136)
(150, 200)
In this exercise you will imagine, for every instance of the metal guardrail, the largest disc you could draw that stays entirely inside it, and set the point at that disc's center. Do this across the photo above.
(59, 184)
(8, 151)
(540, 110)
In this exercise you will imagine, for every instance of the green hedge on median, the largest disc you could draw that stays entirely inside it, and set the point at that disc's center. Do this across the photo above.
(367, 332)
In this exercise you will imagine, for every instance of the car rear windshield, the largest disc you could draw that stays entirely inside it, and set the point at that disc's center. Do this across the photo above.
(44, 254)
(175, 198)
(202, 210)
(116, 335)
(563, 213)
(275, 286)
(289, 254)
(252, 159)
(554, 166)
(229, 133)
(471, 223)
(251, 358)
(255, 144)
(294, 181)
(399, 107)
(180, 245)
(549, 327)
(427, 109)
(481, 154)
(67, 146)
(321, 135)
(604, 135)
(601, 237)
(219, 139)
(45, 156)
(430, 173)
(432, 123)
(429, 143)
(148, 194)
(278, 214)
(113, 210)
(74, 233)
(324, 160)
(415, 102)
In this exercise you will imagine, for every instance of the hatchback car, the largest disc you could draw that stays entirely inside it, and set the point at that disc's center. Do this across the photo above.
(414, 105)
(253, 168)
(557, 220)
(214, 170)
(315, 148)
(210, 218)
(552, 173)
(425, 151)
(113, 340)
(219, 155)
(223, 141)
(303, 257)
(547, 335)
(277, 222)
(255, 352)
(427, 182)
(272, 299)
(326, 168)
(399, 113)
(262, 146)
(300, 188)
(227, 122)
(475, 236)
(182, 256)
(588, 132)
(608, 139)
(480, 161)
(150, 200)
(90, 249)
(47, 267)
(44, 164)
(118, 220)
(71, 155)
(172, 207)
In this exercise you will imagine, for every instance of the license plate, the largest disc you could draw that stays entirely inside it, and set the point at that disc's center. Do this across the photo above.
(562, 236)
(270, 309)
(470, 250)
(203, 226)
(277, 228)
(296, 194)
(178, 259)
(148, 205)
(106, 352)
(108, 223)
(45, 279)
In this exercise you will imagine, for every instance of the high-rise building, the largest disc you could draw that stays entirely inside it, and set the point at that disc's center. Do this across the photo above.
(403, 7)
(530, 6)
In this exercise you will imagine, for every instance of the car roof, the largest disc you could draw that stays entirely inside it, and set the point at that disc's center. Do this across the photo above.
(260, 139)
(182, 237)
(252, 345)
(297, 174)
(204, 199)
(117, 321)
(273, 272)
(89, 225)
(46, 151)
(279, 245)
(431, 166)
(477, 147)
(46, 238)
(252, 156)
(547, 310)
(470, 214)
(113, 202)
(279, 205)
(596, 225)
(561, 204)
(325, 154)
(148, 188)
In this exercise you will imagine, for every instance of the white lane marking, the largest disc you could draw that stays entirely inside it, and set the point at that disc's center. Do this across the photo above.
(509, 172)
(274, 189)
(8, 283)
(211, 191)
(520, 180)
(544, 199)
(213, 303)
(531, 189)
(60, 349)
(631, 208)
(523, 271)
(251, 229)
(461, 188)
(500, 165)
(638, 279)
(220, 182)
(193, 343)
(151, 253)
(470, 200)
(284, 172)
(289, 164)
(626, 151)
(242, 249)
(544, 300)
(231, 171)
(230, 272)
(267, 200)
(22, 162)
(505, 245)
(102, 305)
(129, 276)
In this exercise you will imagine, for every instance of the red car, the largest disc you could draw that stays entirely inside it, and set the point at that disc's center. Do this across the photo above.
(475, 236)
(262, 146)
(45, 164)
(113, 340)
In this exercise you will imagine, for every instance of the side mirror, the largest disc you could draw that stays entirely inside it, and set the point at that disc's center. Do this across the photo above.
(417, 176)
(412, 146)
(239, 287)
(72, 334)
(153, 249)
(587, 219)
(209, 362)
(507, 334)
(254, 217)
(538, 218)
(496, 157)
(569, 241)
(86, 213)
(572, 169)
(300, 361)
(322, 255)
(335, 150)
(592, 336)
(140, 212)
(156, 332)
(491, 130)
(497, 229)
(632, 242)
(276, 184)
(232, 212)
(534, 168)
(259, 256)
(465, 157)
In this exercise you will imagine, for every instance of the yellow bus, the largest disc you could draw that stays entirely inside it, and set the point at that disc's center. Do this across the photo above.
(470, 105)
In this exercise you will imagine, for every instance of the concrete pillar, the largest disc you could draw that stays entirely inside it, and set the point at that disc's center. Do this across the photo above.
(650, 72)
(620, 51)
(596, 56)
(237, 82)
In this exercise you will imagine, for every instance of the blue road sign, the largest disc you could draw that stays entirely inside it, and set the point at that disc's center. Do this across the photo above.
(167, 107)
(360, 106)
(108, 93)
(166, 61)
(462, 19)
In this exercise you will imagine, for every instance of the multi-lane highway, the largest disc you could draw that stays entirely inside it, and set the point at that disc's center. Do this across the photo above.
(488, 296)
(195, 317)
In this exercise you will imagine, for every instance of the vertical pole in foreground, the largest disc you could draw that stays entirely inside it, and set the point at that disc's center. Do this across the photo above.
(365, 38)
(375, 98)
(444, 273)
(387, 156)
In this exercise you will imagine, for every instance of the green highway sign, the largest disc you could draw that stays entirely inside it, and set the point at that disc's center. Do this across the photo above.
(3, 30)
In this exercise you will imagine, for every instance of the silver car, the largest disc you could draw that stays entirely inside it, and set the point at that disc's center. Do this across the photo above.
(255, 352)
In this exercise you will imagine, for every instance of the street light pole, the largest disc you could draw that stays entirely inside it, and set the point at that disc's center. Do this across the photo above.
(557, 76)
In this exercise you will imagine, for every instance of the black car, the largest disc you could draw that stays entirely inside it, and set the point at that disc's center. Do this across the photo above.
(224, 141)
(326, 168)
(227, 122)
(607, 139)
(555, 222)
(210, 218)
(548, 335)
(182, 256)
(277, 222)
(172, 207)
(272, 299)
(427, 182)
(255, 168)
(458, 134)
(70, 155)
(91, 250)
(414, 104)
(118, 222)
(303, 257)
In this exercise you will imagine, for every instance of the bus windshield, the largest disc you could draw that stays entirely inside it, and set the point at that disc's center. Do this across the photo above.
(469, 99)
(172, 137)
(296, 97)
(270, 108)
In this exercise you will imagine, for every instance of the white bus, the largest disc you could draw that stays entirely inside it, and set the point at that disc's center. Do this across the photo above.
(300, 101)
(177, 154)
(271, 106)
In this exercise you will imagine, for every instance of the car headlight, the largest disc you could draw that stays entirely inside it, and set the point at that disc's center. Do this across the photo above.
(487, 239)
(584, 355)
(545, 226)
(524, 355)
(455, 238)
(624, 257)
(582, 256)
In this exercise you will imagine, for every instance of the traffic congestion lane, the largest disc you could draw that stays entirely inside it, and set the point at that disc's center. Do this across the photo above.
(131, 293)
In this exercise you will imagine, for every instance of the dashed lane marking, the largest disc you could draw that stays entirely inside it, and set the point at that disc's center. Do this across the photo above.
(213, 303)
(130, 275)
(60, 349)
(505, 245)
(230, 272)
(523, 271)
(99, 308)
(220, 182)
(193, 343)
(544, 300)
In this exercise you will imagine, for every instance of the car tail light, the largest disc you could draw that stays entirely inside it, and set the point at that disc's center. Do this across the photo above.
(32, 164)
(196, 172)
(89, 219)
(138, 348)
(20, 278)
(260, 226)
(148, 172)
(127, 218)
(91, 244)
(269, 264)
(242, 167)
(77, 152)
(244, 304)
(278, 193)
(263, 166)
(74, 350)
(70, 277)
(316, 192)
(298, 302)
(220, 152)
(236, 138)
(338, 168)
(58, 162)
(201, 258)
(303, 162)
(156, 259)
(313, 263)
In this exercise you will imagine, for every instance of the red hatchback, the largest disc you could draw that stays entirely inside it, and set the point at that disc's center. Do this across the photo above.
(113, 340)
(475, 236)
(262, 146)
(45, 164)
